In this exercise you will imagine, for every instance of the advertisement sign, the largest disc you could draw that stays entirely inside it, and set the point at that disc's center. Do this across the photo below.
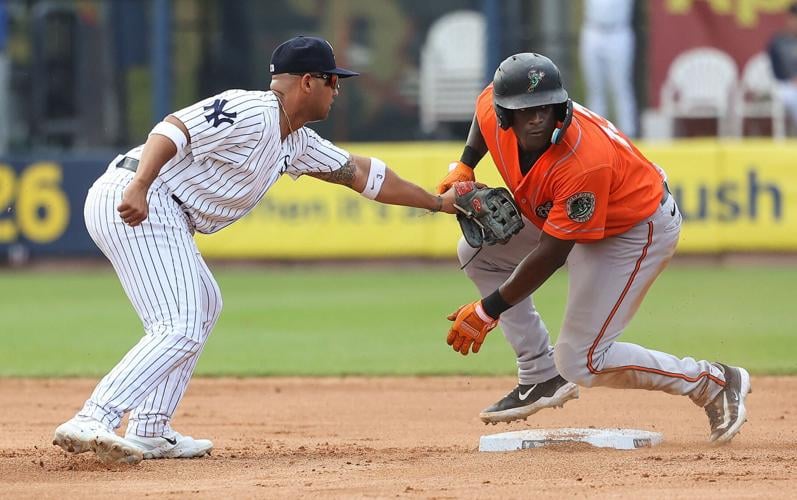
(734, 195)
(41, 205)
(308, 218)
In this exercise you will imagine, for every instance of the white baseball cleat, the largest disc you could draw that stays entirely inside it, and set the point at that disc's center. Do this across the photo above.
(173, 446)
(82, 434)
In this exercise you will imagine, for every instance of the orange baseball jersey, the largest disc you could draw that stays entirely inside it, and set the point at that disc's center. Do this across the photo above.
(592, 185)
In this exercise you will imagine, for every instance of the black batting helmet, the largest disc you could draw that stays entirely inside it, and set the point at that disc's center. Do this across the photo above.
(527, 80)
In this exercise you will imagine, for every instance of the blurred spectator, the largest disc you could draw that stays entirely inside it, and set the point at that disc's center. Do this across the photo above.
(607, 60)
(5, 71)
(783, 54)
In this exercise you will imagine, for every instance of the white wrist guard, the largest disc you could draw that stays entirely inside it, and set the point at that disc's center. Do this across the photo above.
(482, 314)
(376, 176)
(172, 132)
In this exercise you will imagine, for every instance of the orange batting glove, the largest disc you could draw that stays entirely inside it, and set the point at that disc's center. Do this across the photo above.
(471, 326)
(459, 173)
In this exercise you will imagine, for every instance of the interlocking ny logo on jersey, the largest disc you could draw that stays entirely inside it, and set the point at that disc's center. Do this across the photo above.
(217, 114)
(535, 77)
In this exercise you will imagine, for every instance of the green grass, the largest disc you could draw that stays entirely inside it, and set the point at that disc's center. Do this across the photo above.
(379, 321)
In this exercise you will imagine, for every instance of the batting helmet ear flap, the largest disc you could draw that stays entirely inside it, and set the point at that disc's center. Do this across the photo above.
(565, 116)
(503, 115)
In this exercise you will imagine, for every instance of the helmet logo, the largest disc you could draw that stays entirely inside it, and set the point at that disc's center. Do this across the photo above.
(535, 77)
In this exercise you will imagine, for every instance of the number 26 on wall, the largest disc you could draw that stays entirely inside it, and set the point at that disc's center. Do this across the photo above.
(32, 204)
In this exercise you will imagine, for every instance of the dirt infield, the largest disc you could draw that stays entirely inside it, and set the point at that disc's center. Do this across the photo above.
(406, 438)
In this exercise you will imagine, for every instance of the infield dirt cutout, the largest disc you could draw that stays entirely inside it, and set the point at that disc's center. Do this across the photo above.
(402, 437)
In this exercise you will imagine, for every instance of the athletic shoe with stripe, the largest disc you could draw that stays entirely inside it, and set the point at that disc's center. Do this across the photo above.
(526, 400)
(726, 413)
(174, 445)
(82, 434)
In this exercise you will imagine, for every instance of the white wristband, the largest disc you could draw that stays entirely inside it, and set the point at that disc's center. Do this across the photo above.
(376, 176)
(482, 314)
(173, 132)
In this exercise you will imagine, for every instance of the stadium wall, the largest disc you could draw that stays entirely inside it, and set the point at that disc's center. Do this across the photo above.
(736, 196)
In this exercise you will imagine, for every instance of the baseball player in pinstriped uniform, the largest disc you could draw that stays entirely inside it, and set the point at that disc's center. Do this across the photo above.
(201, 169)
(595, 202)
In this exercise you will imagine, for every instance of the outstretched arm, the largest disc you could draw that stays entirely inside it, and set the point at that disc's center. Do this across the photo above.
(385, 186)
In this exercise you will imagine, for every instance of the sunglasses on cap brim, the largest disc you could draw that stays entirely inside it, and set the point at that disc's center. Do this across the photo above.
(330, 80)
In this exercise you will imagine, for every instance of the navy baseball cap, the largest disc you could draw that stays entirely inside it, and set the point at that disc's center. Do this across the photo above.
(306, 54)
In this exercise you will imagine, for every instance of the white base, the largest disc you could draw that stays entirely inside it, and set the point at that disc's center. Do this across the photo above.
(620, 439)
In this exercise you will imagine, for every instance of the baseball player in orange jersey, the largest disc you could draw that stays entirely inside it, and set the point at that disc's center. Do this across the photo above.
(595, 202)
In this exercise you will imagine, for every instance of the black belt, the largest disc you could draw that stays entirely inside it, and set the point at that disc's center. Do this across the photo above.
(131, 164)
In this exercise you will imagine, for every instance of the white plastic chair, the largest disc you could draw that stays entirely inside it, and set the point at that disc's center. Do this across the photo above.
(701, 83)
(757, 95)
(452, 69)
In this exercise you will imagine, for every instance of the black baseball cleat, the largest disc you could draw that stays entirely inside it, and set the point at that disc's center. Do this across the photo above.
(727, 412)
(525, 400)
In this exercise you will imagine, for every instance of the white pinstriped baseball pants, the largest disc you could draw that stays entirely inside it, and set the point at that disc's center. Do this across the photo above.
(174, 294)
(607, 282)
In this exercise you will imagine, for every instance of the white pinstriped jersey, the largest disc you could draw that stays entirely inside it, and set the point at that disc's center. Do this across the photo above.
(235, 156)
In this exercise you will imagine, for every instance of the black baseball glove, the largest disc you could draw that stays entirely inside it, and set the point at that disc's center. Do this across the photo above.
(486, 215)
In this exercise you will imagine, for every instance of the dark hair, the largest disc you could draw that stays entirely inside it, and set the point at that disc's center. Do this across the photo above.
(793, 9)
